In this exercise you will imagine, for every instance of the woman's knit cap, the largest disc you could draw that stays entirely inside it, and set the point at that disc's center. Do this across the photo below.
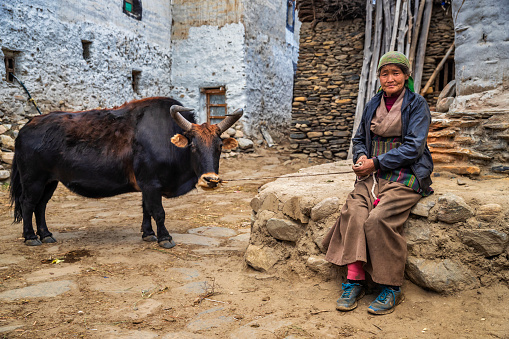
(393, 57)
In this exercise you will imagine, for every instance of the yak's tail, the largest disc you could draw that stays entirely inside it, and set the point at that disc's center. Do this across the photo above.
(16, 190)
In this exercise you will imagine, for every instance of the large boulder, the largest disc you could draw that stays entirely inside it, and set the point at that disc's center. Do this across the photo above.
(439, 275)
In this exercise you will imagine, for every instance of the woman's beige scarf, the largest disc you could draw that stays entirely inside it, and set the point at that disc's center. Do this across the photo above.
(388, 123)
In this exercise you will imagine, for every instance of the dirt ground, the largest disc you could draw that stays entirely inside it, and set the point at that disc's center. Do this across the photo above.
(100, 280)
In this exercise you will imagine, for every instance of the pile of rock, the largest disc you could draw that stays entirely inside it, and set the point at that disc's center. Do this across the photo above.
(452, 245)
(245, 145)
(8, 133)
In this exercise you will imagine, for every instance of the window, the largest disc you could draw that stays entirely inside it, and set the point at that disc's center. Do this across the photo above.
(215, 104)
(290, 15)
(86, 49)
(10, 64)
(132, 8)
(135, 81)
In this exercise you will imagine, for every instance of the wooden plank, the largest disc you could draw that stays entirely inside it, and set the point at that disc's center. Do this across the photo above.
(413, 47)
(410, 26)
(395, 19)
(387, 4)
(402, 28)
(364, 72)
(377, 42)
(421, 49)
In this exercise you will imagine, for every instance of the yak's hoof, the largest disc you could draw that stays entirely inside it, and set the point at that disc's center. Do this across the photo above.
(167, 243)
(48, 240)
(33, 242)
(150, 238)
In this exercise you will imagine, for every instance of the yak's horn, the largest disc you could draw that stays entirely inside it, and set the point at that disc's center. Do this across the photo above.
(230, 120)
(179, 119)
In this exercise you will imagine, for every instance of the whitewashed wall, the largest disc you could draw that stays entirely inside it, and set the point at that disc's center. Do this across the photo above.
(210, 57)
(48, 35)
(271, 51)
(482, 54)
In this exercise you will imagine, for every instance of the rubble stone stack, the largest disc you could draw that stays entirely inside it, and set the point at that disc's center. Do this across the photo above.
(325, 88)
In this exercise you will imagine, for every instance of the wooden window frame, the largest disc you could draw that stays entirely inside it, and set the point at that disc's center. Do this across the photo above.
(136, 9)
(443, 77)
(215, 91)
(10, 66)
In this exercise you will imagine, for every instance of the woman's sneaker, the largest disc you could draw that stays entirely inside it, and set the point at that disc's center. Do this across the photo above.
(386, 301)
(351, 293)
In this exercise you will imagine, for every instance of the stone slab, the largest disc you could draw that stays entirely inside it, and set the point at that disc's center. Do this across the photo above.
(193, 239)
(45, 290)
(213, 231)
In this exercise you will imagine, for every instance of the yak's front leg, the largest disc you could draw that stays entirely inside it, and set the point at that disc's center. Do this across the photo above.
(152, 201)
(146, 225)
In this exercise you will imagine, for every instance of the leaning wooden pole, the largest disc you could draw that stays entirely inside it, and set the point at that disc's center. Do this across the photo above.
(413, 47)
(423, 39)
(403, 28)
(365, 71)
(395, 27)
(377, 42)
(437, 70)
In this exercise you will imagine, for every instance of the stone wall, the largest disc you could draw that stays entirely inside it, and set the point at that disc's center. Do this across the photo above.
(475, 143)
(325, 89)
(458, 238)
(327, 82)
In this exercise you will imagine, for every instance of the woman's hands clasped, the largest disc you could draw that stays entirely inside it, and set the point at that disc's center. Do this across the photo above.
(364, 166)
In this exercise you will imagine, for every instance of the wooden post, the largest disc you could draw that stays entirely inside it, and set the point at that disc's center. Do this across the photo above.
(410, 26)
(395, 28)
(361, 96)
(413, 47)
(423, 39)
(387, 25)
(437, 70)
(377, 41)
(403, 28)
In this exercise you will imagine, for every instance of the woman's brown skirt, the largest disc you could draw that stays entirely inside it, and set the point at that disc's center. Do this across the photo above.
(373, 235)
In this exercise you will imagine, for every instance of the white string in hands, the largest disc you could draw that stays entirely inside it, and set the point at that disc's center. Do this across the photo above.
(359, 164)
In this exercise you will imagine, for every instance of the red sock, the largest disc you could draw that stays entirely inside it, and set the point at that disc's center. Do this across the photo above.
(355, 271)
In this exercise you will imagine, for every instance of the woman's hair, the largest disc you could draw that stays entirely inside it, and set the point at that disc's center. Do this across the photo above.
(402, 67)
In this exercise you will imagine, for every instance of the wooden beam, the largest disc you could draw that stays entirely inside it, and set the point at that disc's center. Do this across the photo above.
(437, 70)
(364, 72)
(413, 47)
(395, 28)
(403, 28)
(421, 49)
(377, 41)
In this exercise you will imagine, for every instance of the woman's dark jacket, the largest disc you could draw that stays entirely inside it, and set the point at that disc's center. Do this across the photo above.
(413, 152)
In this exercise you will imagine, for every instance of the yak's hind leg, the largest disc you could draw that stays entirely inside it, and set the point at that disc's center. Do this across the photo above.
(30, 199)
(40, 214)
(146, 225)
(152, 201)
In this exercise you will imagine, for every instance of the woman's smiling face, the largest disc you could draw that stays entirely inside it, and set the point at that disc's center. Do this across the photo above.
(392, 79)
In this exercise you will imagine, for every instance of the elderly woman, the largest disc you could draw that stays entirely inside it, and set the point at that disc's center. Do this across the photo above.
(393, 166)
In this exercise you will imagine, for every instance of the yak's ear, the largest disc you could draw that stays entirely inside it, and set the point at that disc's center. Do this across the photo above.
(179, 140)
(230, 143)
